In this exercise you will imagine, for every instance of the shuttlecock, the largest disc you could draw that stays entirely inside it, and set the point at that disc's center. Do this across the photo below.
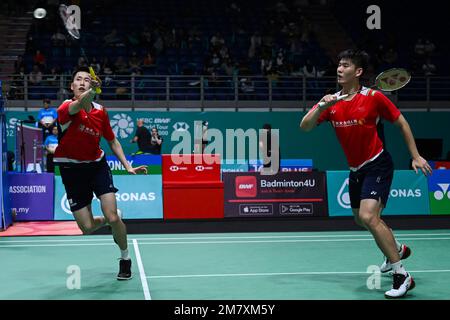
(39, 13)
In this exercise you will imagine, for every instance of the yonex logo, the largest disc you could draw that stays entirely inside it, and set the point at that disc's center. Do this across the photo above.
(374, 193)
(199, 168)
(439, 195)
(174, 168)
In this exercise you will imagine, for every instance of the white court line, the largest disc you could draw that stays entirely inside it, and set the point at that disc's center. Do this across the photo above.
(279, 274)
(282, 241)
(230, 237)
(141, 271)
(210, 242)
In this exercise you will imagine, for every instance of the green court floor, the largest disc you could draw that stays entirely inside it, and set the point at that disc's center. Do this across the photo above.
(289, 265)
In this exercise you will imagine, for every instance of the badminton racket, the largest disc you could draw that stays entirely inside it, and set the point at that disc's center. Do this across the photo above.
(389, 80)
(70, 24)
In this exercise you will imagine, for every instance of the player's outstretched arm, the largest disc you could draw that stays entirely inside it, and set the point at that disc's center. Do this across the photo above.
(309, 121)
(116, 148)
(417, 161)
(80, 103)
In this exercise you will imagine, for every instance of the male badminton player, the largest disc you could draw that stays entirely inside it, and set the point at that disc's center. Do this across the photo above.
(355, 121)
(83, 166)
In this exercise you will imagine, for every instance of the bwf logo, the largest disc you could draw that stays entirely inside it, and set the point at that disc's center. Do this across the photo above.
(73, 14)
(246, 187)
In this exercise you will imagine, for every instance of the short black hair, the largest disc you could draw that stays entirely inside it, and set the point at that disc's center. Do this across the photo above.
(267, 126)
(359, 58)
(79, 69)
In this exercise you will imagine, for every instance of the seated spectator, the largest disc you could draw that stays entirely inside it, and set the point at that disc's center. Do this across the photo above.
(217, 41)
(47, 118)
(39, 59)
(148, 60)
(107, 67)
(35, 76)
(429, 68)
(50, 144)
(53, 78)
(19, 63)
(134, 62)
(111, 38)
(120, 66)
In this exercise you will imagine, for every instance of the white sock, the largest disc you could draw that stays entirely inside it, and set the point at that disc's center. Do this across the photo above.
(124, 254)
(398, 268)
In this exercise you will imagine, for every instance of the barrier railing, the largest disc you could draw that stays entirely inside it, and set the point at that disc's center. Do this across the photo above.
(203, 89)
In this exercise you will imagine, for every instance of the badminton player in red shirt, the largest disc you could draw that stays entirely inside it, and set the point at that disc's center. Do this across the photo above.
(355, 120)
(83, 167)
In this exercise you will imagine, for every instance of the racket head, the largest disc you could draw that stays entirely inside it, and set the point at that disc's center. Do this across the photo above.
(68, 24)
(392, 79)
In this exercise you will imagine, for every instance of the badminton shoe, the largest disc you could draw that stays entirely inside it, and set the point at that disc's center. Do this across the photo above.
(401, 284)
(124, 270)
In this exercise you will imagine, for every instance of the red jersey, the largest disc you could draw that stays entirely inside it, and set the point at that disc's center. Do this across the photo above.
(355, 123)
(81, 133)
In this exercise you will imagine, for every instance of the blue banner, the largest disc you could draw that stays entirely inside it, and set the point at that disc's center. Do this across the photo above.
(286, 165)
(408, 195)
(153, 163)
(139, 197)
(31, 195)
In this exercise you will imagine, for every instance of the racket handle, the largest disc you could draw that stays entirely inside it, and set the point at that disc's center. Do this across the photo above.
(322, 104)
(98, 90)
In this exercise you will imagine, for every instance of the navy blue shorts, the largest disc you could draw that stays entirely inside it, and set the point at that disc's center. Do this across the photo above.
(372, 181)
(81, 181)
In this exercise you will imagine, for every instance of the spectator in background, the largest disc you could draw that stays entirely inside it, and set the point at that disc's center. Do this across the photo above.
(111, 38)
(120, 66)
(428, 68)
(95, 64)
(419, 48)
(53, 78)
(107, 67)
(217, 41)
(156, 142)
(148, 60)
(50, 144)
(143, 137)
(429, 48)
(39, 59)
(18, 64)
(47, 118)
(255, 45)
(134, 62)
(35, 76)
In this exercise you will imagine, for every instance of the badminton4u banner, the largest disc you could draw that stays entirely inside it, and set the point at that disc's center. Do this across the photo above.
(286, 194)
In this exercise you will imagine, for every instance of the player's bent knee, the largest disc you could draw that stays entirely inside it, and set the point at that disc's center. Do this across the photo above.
(369, 219)
(113, 218)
